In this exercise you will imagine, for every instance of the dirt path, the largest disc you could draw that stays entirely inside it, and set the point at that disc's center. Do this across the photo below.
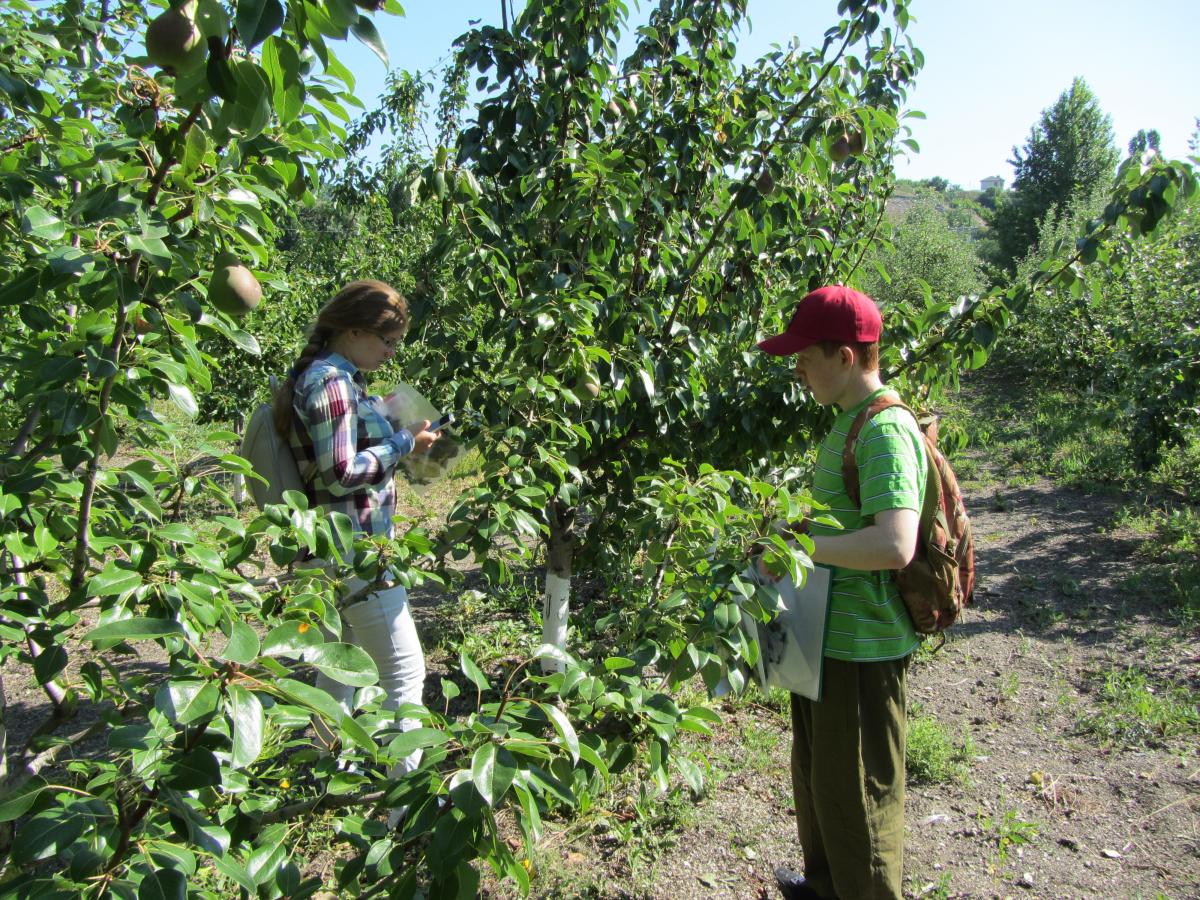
(1044, 810)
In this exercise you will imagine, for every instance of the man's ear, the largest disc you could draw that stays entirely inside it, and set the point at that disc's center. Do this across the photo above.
(847, 355)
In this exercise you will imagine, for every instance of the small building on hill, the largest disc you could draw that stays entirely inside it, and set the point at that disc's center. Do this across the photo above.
(992, 181)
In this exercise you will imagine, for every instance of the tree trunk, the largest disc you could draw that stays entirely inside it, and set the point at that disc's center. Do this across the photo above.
(6, 828)
(239, 480)
(560, 550)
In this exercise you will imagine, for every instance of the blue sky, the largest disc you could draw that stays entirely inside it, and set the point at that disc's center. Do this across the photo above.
(990, 67)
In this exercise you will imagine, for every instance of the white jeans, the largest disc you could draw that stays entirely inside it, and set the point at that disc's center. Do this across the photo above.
(382, 625)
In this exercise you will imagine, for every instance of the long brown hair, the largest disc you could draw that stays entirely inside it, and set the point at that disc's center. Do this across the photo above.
(369, 305)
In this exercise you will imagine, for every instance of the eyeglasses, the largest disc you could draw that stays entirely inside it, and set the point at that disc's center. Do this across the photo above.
(390, 343)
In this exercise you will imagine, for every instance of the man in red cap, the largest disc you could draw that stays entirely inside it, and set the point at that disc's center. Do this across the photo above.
(848, 748)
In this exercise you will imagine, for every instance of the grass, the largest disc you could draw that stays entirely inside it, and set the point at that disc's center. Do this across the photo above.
(933, 756)
(1131, 710)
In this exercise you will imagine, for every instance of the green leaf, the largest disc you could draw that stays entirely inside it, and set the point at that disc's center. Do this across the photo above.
(247, 721)
(492, 772)
(615, 663)
(364, 29)
(193, 770)
(311, 697)
(344, 663)
(416, 739)
(185, 701)
(195, 146)
(16, 803)
(46, 834)
(243, 644)
(565, 729)
(112, 581)
(163, 884)
(48, 663)
(647, 383)
(291, 637)
(257, 20)
(691, 774)
(42, 224)
(181, 396)
(220, 77)
(472, 671)
(138, 628)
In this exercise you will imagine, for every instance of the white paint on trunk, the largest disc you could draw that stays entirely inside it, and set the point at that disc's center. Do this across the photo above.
(555, 610)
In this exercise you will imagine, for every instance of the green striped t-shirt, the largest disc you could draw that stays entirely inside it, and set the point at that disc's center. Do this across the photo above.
(867, 618)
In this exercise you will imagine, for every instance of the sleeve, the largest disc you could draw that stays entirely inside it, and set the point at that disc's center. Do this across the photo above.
(331, 414)
(891, 463)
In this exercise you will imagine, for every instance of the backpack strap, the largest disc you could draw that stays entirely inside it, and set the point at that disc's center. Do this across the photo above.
(931, 503)
(849, 463)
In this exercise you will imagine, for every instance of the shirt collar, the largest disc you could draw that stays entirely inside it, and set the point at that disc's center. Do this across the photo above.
(342, 364)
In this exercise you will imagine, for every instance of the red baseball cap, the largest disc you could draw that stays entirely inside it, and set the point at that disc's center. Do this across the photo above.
(832, 313)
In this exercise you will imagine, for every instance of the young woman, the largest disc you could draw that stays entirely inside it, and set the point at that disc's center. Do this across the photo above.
(347, 452)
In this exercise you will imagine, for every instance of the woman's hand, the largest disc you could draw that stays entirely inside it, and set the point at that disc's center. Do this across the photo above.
(422, 438)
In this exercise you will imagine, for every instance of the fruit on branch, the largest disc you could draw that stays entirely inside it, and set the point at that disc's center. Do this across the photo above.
(839, 150)
(233, 288)
(173, 41)
(851, 143)
(766, 183)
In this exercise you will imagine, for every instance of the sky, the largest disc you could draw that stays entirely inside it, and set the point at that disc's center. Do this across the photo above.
(990, 67)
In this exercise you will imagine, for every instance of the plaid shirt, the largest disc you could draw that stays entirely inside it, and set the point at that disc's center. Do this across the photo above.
(345, 448)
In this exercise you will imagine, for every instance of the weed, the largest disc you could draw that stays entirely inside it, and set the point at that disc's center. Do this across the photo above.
(1131, 712)
(1010, 686)
(931, 890)
(1009, 831)
(932, 756)
(1066, 585)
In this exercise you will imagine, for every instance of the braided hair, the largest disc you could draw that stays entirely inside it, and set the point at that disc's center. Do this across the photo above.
(369, 305)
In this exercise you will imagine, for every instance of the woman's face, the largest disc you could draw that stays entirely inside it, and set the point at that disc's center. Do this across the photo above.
(368, 349)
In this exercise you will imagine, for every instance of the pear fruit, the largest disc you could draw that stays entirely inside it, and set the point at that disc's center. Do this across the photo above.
(856, 142)
(233, 288)
(766, 183)
(173, 41)
(839, 150)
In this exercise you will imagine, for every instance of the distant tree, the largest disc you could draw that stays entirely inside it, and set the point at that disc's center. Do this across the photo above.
(1070, 153)
(926, 252)
(1144, 140)
(939, 184)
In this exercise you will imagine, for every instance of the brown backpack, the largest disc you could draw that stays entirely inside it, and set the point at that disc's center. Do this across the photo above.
(940, 580)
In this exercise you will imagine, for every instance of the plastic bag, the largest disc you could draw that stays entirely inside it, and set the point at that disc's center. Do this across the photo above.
(406, 406)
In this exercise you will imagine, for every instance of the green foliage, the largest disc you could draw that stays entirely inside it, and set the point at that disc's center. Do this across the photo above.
(1069, 154)
(926, 262)
(932, 756)
(1132, 710)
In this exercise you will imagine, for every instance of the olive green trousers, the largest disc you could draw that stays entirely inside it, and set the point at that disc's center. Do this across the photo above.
(848, 780)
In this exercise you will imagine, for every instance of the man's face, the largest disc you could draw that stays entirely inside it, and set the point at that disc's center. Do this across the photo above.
(823, 376)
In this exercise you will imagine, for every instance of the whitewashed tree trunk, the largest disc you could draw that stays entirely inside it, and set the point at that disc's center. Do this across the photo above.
(239, 480)
(6, 828)
(556, 604)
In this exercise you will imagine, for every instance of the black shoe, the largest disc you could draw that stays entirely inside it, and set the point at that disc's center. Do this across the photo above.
(793, 886)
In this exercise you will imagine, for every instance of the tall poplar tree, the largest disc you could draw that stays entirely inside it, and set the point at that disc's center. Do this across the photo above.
(1070, 154)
